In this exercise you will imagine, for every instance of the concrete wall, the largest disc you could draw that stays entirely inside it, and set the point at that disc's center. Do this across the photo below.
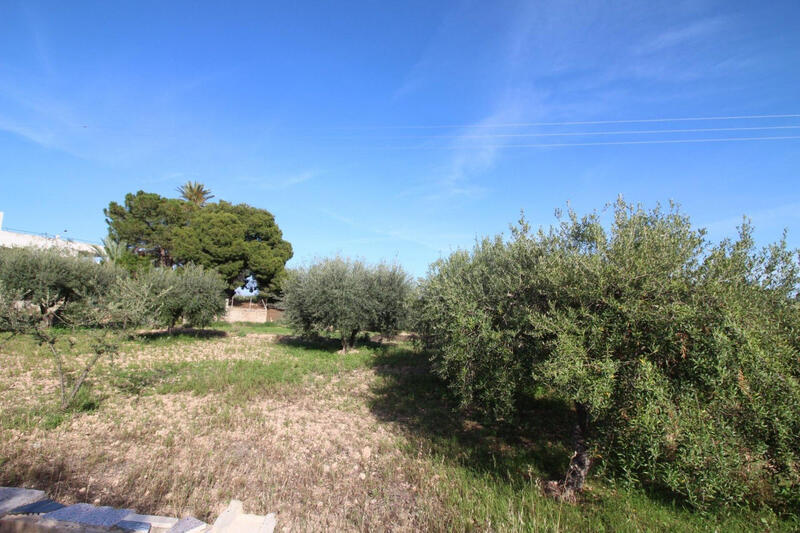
(254, 314)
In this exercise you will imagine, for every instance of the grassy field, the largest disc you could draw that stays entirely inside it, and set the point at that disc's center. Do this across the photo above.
(180, 424)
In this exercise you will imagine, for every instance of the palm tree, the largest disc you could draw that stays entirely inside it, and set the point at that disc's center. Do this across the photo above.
(111, 251)
(195, 192)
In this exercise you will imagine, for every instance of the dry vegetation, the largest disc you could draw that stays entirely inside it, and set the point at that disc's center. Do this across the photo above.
(364, 441)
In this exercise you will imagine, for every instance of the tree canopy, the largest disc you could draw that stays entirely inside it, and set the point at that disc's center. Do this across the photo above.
(147, 222)
(678, 357)
(39, 288)
(238, 241)
(348, 297)
(58, 285)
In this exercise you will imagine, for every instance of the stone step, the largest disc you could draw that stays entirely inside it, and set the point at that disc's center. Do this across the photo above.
(189, 524)
(132, 526)
(158, 524)
(28, 511)
(36, 508)
(88, 515)
(12, 497)
(234, 520)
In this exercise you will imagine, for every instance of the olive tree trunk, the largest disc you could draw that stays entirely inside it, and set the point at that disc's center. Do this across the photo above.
(580, 462)
(349, 341)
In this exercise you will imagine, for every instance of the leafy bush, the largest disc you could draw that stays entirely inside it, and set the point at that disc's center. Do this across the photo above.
(36, 284)
(389, 287)
(40, 286)
(76, 290)
(188, 294)
(197, 296)
(15, 315)
(56, 283)
(347, 297)
(680, 357)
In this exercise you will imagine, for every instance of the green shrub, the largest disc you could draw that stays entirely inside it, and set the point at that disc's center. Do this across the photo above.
(56, 283)
(188, 294)
(15, 316)
(682, 355)
(39, 286)
(79, 291)
(197, 297)
(347, 297)
(389, 287)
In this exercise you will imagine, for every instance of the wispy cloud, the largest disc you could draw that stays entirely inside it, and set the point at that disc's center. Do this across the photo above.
(62, 123)
(273, 184)
(683, 35)
(469, 156)
(182, 87)
(41, 137)
(762, 218)
(563, 58)
(586, 47)
(472, 156)
(683, 53)
(436, 242)
(39, 39)
(96, 119)
(340, 218)
(433, 53)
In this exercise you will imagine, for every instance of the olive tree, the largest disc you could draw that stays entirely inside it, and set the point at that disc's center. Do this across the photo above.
(53, 282)
(41, 287)
(15, 315)
(389, 287)
(166, 297)
(347, 297)
(678, 356)
(195, 296)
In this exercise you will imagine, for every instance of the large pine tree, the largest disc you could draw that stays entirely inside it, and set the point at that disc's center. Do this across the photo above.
(238, 241)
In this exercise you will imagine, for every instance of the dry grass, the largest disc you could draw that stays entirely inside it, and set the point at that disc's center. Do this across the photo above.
(316, 464)
(357, 442)
(315, 454)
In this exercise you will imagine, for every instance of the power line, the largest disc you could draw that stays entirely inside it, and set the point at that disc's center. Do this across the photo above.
(577, 122)
(663, 141)
(579, 133)
(50, 235)
(599, 143)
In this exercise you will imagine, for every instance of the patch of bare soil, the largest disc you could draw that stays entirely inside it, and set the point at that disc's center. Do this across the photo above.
(402, 336)
(248, 347)
(318, 457)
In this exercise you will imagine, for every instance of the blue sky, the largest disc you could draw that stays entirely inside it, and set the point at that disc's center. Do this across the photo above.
(400, 130)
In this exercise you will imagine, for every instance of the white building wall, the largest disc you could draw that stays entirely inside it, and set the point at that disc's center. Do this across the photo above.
(12, 239)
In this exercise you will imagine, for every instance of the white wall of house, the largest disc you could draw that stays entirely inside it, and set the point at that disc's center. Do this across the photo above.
(12, 239)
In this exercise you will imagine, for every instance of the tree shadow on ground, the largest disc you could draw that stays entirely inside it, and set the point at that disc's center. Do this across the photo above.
(54, 477)
(537, 444)
(327, 344)
(62, 484)
(181, 333)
